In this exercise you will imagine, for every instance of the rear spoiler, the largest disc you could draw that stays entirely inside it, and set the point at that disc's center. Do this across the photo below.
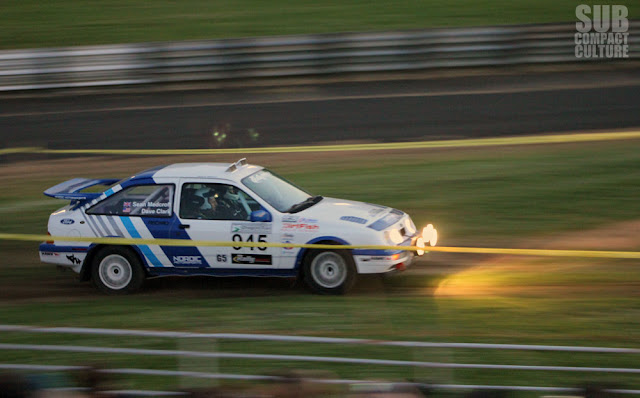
(70, 190)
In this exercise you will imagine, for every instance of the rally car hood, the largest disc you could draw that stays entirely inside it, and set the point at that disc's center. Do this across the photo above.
(347, 211)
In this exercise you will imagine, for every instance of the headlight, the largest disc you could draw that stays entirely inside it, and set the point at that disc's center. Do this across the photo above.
(393, 236)
(420, 243)
(430, 234)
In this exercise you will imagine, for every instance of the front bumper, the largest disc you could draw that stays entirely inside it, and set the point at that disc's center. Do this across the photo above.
(383, 264)
(383, 261)
(67, 256)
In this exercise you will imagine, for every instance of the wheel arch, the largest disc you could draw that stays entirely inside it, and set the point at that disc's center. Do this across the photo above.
(85, 272)
(321, 240)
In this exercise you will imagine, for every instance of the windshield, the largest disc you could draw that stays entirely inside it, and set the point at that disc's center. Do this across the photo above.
(275, 190)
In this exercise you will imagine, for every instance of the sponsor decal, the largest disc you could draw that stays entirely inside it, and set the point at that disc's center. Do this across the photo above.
(289, 218)
(67, 221)
(74, 260)
(187, 260)
(259, 176)
(258, 259)
(375, 258)
(300, 227)
(287, 238)
(357, 220)
(288, 251)
(301, 224)
(251, 228)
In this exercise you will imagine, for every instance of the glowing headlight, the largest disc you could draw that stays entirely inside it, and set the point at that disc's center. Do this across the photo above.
(420, 243)
(430, 234)
(394, 236)
(409, 226)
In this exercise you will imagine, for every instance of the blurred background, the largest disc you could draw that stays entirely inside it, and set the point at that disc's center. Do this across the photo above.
(236, 75)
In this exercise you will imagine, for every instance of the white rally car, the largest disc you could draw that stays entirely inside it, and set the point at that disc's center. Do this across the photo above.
(222, 202)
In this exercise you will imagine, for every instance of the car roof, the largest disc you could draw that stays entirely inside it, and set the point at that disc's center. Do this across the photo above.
(207, 170)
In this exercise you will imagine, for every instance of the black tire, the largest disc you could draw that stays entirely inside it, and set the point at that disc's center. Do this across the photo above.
(329, 271)
(117, 270)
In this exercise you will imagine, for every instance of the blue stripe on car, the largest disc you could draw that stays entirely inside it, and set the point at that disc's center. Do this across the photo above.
(48, 247)
(174, 251)
(143, 248)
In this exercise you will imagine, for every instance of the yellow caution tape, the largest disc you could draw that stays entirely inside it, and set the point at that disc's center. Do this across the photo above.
(28, 149)
(539, 252)
(201, 243)
(523, 140)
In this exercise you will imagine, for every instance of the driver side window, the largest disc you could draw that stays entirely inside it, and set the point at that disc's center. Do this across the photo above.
(138, 200)
(200, 201)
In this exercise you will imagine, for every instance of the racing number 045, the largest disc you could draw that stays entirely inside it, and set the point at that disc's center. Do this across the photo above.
(250, 238)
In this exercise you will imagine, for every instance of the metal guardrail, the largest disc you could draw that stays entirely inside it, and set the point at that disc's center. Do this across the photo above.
(287, 56)
(298, 358)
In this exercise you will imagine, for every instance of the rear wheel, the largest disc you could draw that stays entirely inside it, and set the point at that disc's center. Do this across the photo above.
(329, 271)
(117, 270)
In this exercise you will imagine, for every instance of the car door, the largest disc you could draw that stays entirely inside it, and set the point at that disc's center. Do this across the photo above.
(196, 221)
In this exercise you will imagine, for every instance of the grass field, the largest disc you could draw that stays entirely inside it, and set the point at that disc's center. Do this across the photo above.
(34, 23)
(565, 196)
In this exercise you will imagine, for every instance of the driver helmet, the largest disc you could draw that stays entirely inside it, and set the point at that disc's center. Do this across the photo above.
(207, 192)
(232, 194)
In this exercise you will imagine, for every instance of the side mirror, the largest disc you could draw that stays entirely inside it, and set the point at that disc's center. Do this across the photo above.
(260, 216)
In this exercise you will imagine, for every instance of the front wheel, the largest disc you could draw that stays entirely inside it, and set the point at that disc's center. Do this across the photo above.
(329, 271)
(117, 270)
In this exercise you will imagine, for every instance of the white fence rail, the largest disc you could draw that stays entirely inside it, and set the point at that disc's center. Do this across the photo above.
(304, 358)
(301, 358)
(152, 63)
(308, 339)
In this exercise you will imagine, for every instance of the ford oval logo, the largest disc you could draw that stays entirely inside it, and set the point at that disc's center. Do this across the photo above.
(67, 221)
